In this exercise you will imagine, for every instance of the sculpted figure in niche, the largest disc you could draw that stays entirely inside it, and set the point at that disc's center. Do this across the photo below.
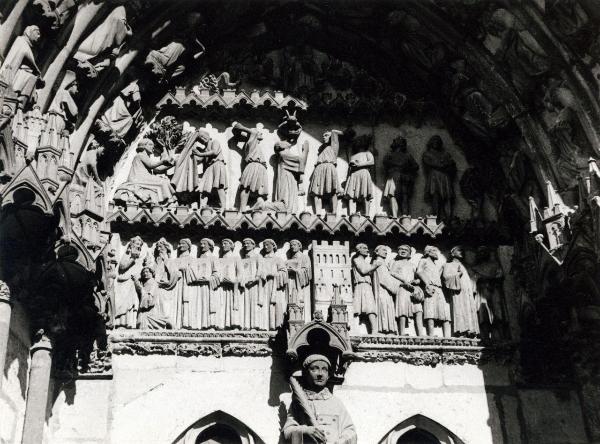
(20, 70)
(315, 414)
(126, 297)
(300, 276)
(409, 300)
(104, 43)
(143, 182)
(124, 113)
(290, 166)
(254, 180)
(440, 170)
(385, 288)
(435, 306)
(256, 305)
(488, 276)
(363, 296)
(400, 170)
(62, 115)
(274, 276)
(150, 313)
(458, 284)
(231, 308)
(359, 185)
(324, 182)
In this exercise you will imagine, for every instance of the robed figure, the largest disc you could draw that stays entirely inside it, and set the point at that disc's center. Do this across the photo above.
(436, 307)
(256, 304)
(150, 311)
(274, 276)
(126, 296)
(300, 277)
(230, 270)
(385, 288)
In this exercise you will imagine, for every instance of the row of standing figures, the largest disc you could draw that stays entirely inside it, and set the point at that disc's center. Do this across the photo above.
(198, 151)
(251, 291)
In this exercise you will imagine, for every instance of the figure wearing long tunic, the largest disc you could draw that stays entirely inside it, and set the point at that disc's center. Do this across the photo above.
(124, 111)
(162, 59)
(299, 281)
(62, 114)
(487, 278)
(126, 299)
(168, 278)
(290, 168)
(215, 171)
(19, 70)
(330, 413)
(324, 179)
(150, 313)
(458, 283)
(275, 279)
(141, 174)
(440, 169)
(405, 306)
(385, 288)
(256, 304)
(363, 297)
(200, 300)
(435, 305)
(230, 269)
(254, 177)
(359, 185)
(185, 177)
(401, 171)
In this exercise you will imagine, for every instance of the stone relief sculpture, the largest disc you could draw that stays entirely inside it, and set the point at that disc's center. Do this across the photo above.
(20, 70)
(87, 170)
(61, 116)
(359, 185)
(324, 182)
(400, 169)
(126, 295)
(168, 62)
(274, 276)
(290, 166)
(458, 283)
(254, 180)
(230, 270)
(299, 276)
(385, 288)
(409, 299)
(214, 177)
(256, 303)
(435, 306)
(440, 170)
(487, 276)
(150, 310)
(315, 414)
(142, 183)
(364, 303)
(95, 53)
(124, 113)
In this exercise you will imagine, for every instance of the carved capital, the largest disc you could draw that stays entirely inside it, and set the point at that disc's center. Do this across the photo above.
(41, 342)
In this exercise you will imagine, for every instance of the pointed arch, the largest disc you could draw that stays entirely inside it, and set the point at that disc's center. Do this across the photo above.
(420, 423)
(218, 423)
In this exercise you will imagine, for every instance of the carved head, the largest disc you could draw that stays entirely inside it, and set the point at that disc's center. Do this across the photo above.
(316, 371)
(184, 245)
(326, 137)
(206, 245)
(269, 245)
(404, 251)
(203, 137)
(399, 144)
(248, 244)
(146, 145)
(295, 245)
(362, 249)
(431, 252)
(147, 274)
(162, 248)
(435, 143)
(32, 33)
(227, 245)
(134, 247)
(4, 291)
(381, 251)
(457, 252)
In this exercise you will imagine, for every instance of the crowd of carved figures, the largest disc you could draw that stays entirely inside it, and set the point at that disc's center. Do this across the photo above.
(197, 166)
(156, 288)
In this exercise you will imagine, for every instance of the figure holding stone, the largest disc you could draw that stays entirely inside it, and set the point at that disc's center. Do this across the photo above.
(400, 170)
(254, 180)
(440, 170)
(359, 185)
(435, 306)
(409, 300)
(363, 297)
(324, 182)
(315, 414)
(274, 277)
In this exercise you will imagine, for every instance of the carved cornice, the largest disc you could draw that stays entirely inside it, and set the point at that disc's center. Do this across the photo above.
(262, 220)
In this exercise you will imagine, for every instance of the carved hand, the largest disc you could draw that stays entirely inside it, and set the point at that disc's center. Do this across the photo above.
(317, 434)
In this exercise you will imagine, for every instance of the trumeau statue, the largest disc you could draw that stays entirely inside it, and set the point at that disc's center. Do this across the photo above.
(274, 276)
(440, 170)
(385, 288)
(254, 180)
(19, 69)
(256, 303)
(435, 306)
(126, 296)
(458, 284)
(400, 170)
(359, 185)
(142, 182)
(363, 296)
(315, 414)
(290, 166)
(409, 299)
(324, 182)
